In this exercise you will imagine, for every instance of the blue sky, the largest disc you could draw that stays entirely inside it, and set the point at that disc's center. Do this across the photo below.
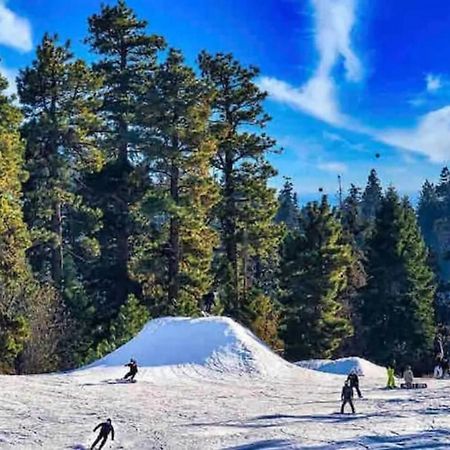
(348, 79)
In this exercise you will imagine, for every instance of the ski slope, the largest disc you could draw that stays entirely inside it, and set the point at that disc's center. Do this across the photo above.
(210, 384)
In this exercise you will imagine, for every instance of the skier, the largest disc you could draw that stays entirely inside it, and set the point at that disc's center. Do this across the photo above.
(209, 300)
(353, 379)
(391, 378)
(133, 370)
(347, 397)
(408, 376)
(105, 429)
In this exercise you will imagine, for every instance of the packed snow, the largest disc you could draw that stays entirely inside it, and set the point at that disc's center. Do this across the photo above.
(344, 366)
(210, 384)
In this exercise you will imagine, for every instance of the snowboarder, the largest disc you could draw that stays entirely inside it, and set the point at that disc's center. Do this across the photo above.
(133, 370)
(347, 397)
(353, 379)
(391, 378)
(408, 376)
(209, 301)
(105, 429)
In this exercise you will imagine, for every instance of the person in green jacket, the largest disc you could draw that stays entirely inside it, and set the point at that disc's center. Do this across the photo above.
(391, 378)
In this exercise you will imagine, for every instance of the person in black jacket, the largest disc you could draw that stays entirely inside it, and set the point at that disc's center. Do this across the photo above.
(133, 370)
(353, 379)
(105, 429)
(347, 397)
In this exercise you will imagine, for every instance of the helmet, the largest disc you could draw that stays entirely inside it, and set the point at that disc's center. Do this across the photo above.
(108, 420)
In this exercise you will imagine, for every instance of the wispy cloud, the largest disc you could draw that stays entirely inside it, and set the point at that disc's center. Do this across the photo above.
(15, 31)
(433, 82)
(333, 167)
(334, 22)
(429, 137)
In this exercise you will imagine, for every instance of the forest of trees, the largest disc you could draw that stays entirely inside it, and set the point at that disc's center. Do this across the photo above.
(132, 186)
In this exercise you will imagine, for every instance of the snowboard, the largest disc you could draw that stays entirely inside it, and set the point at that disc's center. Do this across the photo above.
(413, 386)
(120, 381)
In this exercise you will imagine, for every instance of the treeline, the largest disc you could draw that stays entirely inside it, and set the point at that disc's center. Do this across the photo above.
(133, 185)
(356, 279)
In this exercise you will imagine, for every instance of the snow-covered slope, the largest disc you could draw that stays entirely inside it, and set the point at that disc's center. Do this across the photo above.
(216, 343)
(344, 366)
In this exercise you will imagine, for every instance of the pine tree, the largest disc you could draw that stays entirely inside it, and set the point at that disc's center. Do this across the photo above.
(428, 212)
(314, 277)
(371, 201)
(353, 226)
(14, 237)
(397, 309)
(288, 210)
(127, 61)
(178, 263)
(58, 96)
(247, 207)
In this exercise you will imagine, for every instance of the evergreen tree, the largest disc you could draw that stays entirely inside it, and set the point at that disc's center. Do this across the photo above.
(371, 200)
(127, 62)
(428, 213)
(14, 237)
(288, 210)
(353, 226)
(314, 277)
(58, 96)
(59, 107)
(176, 269)
(247, 207)
(397, 309)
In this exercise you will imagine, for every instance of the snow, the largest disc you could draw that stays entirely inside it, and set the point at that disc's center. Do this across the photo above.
(215, 343)
(344, 366)
(210, 384)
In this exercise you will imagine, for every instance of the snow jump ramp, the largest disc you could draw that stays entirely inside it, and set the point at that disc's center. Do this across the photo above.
(217, 345)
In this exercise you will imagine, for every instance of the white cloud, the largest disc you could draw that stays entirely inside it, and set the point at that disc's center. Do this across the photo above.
(334, 22)
(15, 31)
(430, 137)
(10, 75)
(434, 82)
(333, 167)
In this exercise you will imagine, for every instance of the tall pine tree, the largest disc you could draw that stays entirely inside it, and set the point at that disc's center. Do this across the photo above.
(397, 309)
(176, 267)
(127, 62)
(247, 207)
(315, 262)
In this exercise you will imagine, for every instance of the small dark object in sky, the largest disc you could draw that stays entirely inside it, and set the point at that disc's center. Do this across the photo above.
(377, 155)
(320, 189)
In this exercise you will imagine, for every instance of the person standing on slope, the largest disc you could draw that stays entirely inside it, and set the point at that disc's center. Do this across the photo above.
(408, 376)
(133, 370)
(347, 397)
(353, 379)
(105, 429)
(391, 377)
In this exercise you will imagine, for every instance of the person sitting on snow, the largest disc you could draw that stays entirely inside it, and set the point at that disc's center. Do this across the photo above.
(133, 370)
(347, 397)
(105, 429)
(353, 379)
(408, 376)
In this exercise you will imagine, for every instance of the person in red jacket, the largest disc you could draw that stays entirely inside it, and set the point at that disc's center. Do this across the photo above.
(105, 429)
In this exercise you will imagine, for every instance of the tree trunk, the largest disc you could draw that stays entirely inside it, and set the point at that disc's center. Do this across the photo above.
(174, 242)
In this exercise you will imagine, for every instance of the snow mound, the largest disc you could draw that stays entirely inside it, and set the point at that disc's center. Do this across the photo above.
(344, 366)
(216, 343)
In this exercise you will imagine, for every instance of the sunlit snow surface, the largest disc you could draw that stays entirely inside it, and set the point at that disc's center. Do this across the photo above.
(210, 384)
